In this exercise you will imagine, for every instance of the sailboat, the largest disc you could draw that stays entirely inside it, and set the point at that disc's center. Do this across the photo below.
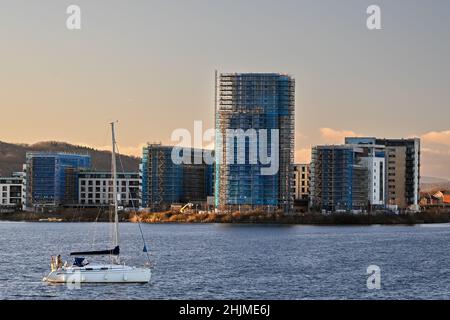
(116, 272)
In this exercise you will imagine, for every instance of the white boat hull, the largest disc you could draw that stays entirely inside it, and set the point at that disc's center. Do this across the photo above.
(99, 274)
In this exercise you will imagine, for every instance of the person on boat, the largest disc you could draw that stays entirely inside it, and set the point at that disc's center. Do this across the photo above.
(59, 262)
(52, 263)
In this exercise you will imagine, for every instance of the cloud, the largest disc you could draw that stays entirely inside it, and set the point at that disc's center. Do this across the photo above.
(336, 136)
(303, 155)
(437, 137)
(436, 154)
(435, 162)
(300, 136)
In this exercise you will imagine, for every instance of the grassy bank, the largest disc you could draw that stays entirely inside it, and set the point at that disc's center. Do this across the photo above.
(308, 218)
(90, 215)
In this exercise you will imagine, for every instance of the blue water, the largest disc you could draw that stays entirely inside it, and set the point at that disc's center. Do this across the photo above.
(218, 261)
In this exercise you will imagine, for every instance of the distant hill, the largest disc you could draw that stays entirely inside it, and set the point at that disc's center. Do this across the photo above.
(12, 156)
(428, 180)
(430, 184)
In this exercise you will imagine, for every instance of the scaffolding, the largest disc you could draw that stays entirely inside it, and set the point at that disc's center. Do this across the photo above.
(338, 180)
(51, 178)
(254, 101)
(165, 183)
(161, 178)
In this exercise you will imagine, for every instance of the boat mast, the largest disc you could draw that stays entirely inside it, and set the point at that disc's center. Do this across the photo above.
(114, 179)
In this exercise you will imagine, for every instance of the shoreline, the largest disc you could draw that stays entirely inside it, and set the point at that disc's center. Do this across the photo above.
(103, 215)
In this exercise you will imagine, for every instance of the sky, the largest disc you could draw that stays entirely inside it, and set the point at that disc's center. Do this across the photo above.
(150, 65)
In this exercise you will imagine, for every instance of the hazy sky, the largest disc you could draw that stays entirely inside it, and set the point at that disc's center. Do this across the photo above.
(150, 64)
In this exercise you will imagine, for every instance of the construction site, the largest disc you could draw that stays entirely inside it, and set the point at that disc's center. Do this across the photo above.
(338, 179)
(254, 101)
(165, 183)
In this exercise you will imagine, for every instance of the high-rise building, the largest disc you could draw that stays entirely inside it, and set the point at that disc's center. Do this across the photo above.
(339, 178)
(164, 182)
(374, 160)
(402, 169)
(253, 103)
(403, 172)
(301, 181)
(51, 178)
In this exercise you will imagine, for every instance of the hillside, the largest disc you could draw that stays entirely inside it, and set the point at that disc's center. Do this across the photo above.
(433, 184)
(12, 156)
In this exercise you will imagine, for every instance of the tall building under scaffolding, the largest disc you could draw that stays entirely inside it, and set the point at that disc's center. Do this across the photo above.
(254, 101)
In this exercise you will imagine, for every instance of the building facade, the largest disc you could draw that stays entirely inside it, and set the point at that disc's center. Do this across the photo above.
(402, 170)
(51, 178)
(376, 179)
(164, 182)
(374, 159)
(254, 103)
(95, 189)
(339, 179)
(11, 191)
(301, 181)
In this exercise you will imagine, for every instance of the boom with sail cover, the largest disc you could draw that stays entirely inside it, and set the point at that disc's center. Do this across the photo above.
(114, 252)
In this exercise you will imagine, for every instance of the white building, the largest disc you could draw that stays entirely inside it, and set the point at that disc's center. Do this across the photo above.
(11, 191)
(374, 159)
(301, 181)
(375, 164)
(95, 189)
